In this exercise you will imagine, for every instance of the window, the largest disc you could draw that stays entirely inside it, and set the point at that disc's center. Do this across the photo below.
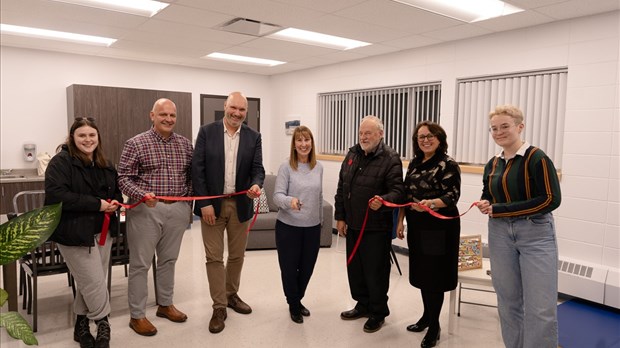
(541, 95)
(400, 109)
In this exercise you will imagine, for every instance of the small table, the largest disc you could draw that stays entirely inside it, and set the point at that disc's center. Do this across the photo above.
(476, 276)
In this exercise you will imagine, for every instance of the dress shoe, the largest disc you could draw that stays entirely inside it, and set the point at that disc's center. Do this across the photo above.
(142, 327)
(238, 305)
(352, 314)
(417, 327)
(216, 324)
(431, 338)
(296, 317)
(373, 324)
(171, 313)
(304, 311)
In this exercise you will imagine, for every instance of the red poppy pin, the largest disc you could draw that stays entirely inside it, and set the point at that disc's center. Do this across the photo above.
(350, 161)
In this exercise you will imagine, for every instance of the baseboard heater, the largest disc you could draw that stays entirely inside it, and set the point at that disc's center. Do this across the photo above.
(589, 281)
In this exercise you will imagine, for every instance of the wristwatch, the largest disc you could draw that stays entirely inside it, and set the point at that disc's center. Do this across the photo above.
(432, 205)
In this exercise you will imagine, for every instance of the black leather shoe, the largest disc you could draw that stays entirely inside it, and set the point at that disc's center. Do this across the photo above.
(431, 338)
(352, 314)
(373, 324)
(296, 317)
(304, 311)
(417, 327)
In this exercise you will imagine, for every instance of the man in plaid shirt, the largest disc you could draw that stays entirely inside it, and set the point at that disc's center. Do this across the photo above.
(155, 163)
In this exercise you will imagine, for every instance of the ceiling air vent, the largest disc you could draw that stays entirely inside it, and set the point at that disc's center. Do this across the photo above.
(249, 27)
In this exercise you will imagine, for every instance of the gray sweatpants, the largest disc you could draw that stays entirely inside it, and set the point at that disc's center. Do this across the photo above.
(154, 230)
(89, 267)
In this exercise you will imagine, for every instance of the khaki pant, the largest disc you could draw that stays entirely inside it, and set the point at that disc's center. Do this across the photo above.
(224, 279)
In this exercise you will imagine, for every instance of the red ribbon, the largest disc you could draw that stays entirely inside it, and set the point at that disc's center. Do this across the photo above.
(106, 218)
(394, 205)
(105, 227)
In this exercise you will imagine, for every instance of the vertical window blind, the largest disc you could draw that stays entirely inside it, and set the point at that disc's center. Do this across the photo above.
(399, 108)
(541, 95)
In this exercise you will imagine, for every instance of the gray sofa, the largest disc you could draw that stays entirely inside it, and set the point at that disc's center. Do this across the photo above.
(263, 233)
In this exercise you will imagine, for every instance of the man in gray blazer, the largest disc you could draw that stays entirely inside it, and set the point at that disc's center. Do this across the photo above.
(227, 158)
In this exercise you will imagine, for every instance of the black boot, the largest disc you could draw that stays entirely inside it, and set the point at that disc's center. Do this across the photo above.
(103, 333)
(81, 332)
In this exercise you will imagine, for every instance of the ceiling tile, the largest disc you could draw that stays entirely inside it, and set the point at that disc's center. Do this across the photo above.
(457, 32)
(578, 8)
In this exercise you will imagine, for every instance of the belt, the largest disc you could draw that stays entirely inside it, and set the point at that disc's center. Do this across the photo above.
(166, 201)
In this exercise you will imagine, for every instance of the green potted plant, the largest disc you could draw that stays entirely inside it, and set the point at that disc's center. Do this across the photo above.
(17, 237)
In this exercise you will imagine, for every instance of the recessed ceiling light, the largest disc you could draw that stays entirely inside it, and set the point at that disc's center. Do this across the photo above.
(243, 59)
(55, 35)
(317, 39)
(465, 10)
(146, 8)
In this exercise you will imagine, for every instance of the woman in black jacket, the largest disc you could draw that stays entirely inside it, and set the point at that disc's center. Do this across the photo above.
(433, 180)
(82, 179)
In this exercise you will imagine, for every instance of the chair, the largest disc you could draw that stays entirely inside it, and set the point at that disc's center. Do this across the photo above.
(43, 260)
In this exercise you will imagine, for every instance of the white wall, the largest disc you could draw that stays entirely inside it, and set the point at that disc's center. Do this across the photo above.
(33, 97)
(33, 108)
(588, 219)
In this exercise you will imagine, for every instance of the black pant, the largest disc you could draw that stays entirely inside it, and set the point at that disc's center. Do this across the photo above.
(298, 248)
(369, 271)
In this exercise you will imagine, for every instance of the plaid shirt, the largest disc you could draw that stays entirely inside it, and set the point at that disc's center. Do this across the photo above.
(150, 163)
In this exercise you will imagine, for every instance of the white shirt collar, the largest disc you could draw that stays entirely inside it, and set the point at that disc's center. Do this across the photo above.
(520, 152)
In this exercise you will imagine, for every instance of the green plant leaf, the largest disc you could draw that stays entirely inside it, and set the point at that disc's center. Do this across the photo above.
(23, 233)
(18, 327)
(3, 297)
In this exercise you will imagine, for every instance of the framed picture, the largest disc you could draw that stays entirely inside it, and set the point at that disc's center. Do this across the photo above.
(470, 252)
(290, 126)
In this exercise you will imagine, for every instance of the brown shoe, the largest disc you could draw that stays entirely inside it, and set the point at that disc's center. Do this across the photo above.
(238, 305)
(216, 324)
(171, 313)
(142, 327)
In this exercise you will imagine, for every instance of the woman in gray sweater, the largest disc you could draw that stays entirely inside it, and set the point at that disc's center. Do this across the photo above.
(299, 196)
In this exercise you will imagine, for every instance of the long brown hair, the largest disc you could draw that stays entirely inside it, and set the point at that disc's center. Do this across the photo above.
(99, 158)
(302, 131)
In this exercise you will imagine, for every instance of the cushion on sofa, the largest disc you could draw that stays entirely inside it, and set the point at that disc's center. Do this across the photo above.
(263, 206)
(265, 221)
(270, 186)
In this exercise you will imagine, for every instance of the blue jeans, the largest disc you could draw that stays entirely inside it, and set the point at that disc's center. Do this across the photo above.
(524, 264)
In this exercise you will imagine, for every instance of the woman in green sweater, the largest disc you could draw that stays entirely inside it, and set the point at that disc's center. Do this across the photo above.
(520, 190)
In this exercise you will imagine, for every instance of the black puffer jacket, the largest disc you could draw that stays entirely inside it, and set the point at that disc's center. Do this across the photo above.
(361, 178)
(80, 188)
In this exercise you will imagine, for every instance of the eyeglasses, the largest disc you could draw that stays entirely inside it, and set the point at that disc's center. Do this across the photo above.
(428, 137)
(501, 128)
